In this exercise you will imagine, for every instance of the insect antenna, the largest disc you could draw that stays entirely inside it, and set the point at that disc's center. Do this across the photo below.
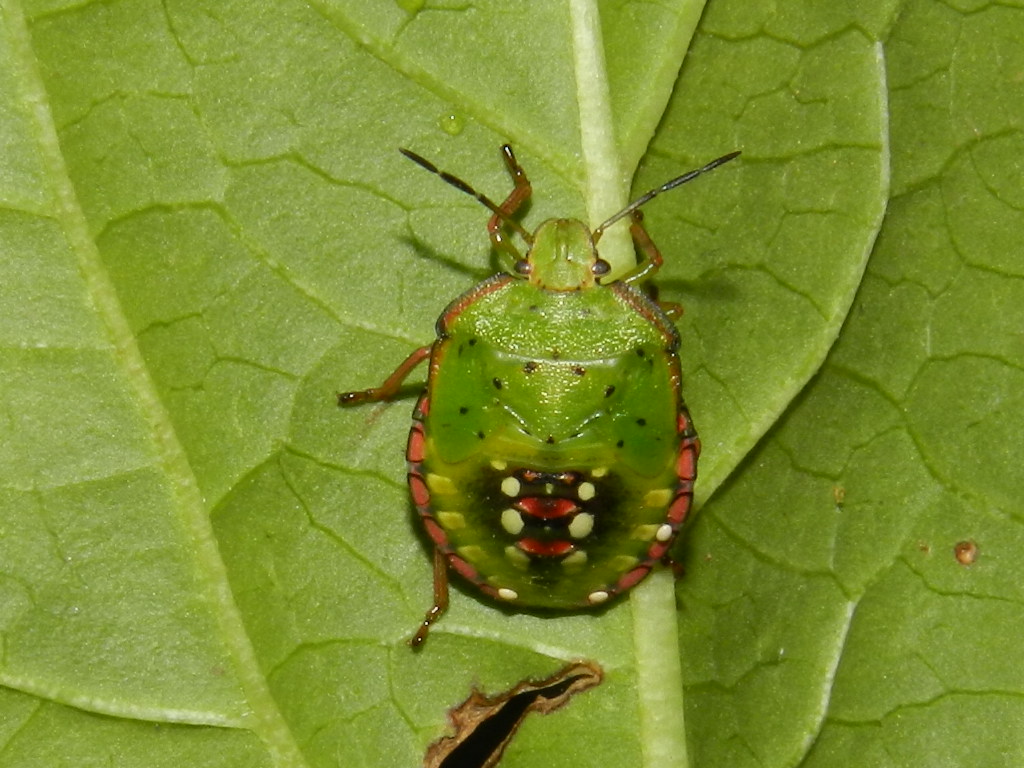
(643, 199)
(462, 186)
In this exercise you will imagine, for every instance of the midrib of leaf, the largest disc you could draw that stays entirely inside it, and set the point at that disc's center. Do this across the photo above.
(605, 191)
(659, 677)
(268, 724)
(659, 671)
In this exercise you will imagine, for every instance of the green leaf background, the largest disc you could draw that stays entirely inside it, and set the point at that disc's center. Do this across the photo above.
(206, 231)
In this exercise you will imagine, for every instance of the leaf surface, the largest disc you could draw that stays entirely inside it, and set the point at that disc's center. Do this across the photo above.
(207, 232)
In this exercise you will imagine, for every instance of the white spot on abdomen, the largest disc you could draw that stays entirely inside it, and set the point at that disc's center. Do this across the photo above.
(581, 525)
(510, 486)
(512, 521)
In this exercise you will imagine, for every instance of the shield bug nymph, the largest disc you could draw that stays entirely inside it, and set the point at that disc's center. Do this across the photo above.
(551, 457)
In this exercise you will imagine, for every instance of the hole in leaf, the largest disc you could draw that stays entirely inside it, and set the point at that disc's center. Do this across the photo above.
(484, 725)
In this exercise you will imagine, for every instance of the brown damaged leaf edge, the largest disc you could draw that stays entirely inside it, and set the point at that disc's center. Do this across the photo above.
(484, 725)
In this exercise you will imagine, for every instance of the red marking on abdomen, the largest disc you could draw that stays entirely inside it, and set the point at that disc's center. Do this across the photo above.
(546, 507)
(528, 475)
(545, 548)
(418, 490)
(632, 578)
(686, 464)
(463, 568)
(679, 508)
(435, 532)
(414, 448)
(422, 408)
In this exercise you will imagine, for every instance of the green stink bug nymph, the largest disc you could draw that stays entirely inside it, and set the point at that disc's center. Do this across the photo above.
(551, 457)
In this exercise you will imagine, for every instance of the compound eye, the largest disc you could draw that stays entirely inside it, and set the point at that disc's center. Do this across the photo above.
(601, 268)
(522, 267)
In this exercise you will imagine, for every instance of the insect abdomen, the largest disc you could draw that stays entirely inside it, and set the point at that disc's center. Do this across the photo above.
(544, 482)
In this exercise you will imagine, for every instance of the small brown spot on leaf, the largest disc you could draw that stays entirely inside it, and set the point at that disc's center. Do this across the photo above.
(966, 552)
(838, 495)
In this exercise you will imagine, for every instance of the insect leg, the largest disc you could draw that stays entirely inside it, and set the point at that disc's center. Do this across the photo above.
(502, 214)
(520, 194)
(390, 385)
(650, 264)
(672, 310)
(651, 261)
(440, 600)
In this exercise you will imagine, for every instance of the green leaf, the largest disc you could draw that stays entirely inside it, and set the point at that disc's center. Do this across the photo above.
(207, 231)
